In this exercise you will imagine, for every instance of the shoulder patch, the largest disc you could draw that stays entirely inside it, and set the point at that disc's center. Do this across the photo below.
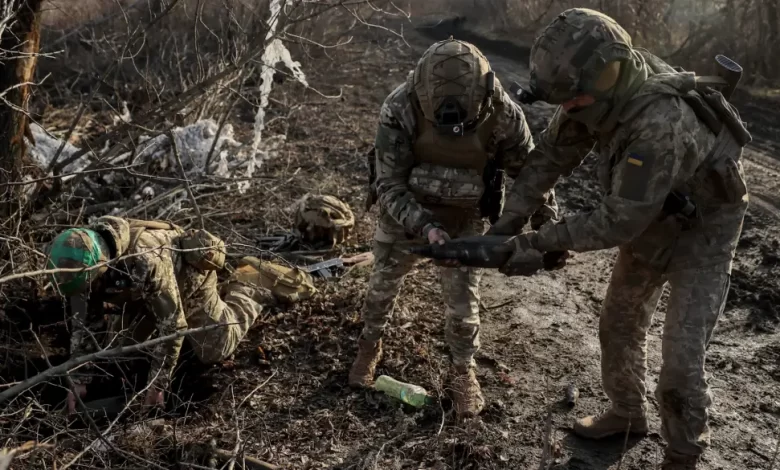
(635, 159)
(636, 176)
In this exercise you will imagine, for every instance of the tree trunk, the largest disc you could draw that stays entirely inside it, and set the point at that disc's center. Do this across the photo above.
(774, 36)
(19, 46)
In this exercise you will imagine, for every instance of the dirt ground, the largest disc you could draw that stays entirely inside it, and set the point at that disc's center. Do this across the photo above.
(539, 334)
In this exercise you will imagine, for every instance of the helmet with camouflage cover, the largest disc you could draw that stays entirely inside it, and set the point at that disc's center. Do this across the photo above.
(453, 84)
(578, 53)
(116, 230)
(77, 248)
(321, 219)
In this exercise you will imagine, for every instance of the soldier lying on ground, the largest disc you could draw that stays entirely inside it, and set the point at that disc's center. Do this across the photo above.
(445, 138)
(675, 202)
(165, 279)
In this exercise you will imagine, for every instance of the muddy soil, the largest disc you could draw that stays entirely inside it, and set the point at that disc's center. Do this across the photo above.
(285, 390)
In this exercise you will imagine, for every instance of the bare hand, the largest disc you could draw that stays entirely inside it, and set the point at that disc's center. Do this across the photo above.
(79, 389)
(437, 235)
(154, 398)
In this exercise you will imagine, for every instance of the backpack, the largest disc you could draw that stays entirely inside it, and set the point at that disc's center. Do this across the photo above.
(287, 284)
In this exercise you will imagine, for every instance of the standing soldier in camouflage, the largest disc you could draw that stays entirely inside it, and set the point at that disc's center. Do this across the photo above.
(167, 281)
(675, 200)
(446, 138)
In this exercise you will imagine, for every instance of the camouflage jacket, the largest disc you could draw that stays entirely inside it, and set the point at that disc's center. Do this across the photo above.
(657, 147)
(395, 159)
(144, 283)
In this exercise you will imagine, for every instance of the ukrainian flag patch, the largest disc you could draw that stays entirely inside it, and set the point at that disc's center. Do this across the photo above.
(635, 159)
(633, 179)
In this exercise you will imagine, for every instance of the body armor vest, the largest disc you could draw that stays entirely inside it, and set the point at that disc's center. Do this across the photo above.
(449, 169)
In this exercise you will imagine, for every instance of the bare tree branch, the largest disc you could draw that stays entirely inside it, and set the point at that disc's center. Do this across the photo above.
(105, 353)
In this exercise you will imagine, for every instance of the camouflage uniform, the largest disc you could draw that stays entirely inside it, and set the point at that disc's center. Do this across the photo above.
(425, 179)
(651, 141)
(164, 289)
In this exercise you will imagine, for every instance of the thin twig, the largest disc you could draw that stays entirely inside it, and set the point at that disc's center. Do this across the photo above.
(66, 137)
(222, 123)
(72, 386)
(41, 272)
(77, 361)
(110, 427)
(6, 456)
(187, 185)
(249, 395)
(547, 443)
(625, 444)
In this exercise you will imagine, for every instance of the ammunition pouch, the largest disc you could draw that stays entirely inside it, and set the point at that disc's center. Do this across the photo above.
(721, 177)
(491, 205)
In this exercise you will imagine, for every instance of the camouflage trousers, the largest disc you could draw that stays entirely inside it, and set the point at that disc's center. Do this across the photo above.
(459, 286)
(696, 301)
(238, 307)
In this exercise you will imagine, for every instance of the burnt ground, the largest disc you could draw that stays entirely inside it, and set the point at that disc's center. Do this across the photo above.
(285, 391)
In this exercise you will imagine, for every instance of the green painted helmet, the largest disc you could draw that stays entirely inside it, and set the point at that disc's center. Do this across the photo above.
(571, 54)
(78, 248)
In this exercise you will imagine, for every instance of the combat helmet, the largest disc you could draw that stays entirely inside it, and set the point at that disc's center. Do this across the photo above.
(81, 253)
(323, 220)
(453, 85)
(578, 53)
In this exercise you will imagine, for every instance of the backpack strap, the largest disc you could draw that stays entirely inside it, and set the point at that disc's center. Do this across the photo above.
(138, 227)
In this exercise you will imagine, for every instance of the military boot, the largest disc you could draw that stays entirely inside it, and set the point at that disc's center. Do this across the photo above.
(466, 393)
(608, 424)
(362, 372)
(677, 462)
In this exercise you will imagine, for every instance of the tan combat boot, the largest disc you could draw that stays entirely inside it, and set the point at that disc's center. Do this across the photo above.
(362, 372)
(609, 424)
(466, 393)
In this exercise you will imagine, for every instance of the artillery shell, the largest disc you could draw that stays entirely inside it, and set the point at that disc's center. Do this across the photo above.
(572, 394)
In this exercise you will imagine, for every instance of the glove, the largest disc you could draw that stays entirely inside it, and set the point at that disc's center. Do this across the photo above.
(525, 260)
(508, 225)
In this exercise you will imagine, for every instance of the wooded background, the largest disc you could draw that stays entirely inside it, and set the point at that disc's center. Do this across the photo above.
(688, 33)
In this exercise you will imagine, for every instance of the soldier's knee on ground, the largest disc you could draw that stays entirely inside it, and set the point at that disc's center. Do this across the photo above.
(216, 345)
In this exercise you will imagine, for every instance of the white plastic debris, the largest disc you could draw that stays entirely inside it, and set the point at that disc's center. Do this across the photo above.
(46, 147)
(194, 142)
(125, 116)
